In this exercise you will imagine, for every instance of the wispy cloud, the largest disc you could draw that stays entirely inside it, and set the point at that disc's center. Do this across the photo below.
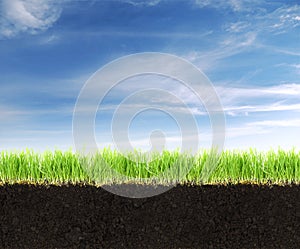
(231, 45)
(279, 21)
(163, 35)
(276, 123)
(235, 5)
(9, 114)
(49, 39)
(285, 51)
(281, 98)
(28, 16)
(34, 16)
(284, 97)
(235, 100)
(247, 32)
(236, 27)
(294, 67)
(284, 18)
(245, 110)
(142, 2)
(275, 91)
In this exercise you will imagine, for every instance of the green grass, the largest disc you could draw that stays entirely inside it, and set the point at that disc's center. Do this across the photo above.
(109, 166)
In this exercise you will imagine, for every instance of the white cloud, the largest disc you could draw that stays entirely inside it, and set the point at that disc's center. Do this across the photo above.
(33, 16)
(276, 123)
(236, 100)
(297, 67)
(49, 39)
(238, 110)
(28, 16)
(9, 114)
(241, 131)
(235, 5)
(189, 35)
(282, 98)
(235, 93)
(284, 51)
(237, 27)
(281, 20)
(232, 45)
(142, 2)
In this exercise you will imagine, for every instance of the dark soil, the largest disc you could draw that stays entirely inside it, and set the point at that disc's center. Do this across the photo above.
(234, 216)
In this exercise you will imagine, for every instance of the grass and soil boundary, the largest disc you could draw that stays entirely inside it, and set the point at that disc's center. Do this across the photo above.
(252, 200)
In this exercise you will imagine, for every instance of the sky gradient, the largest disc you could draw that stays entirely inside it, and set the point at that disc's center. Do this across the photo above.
(248, 49)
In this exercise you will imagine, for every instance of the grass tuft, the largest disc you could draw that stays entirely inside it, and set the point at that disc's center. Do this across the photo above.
(167, 167)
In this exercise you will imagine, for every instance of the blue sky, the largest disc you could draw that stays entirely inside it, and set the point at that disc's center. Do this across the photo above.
(248, 49)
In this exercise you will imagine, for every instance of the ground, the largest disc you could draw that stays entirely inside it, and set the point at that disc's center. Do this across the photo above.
(232, 216)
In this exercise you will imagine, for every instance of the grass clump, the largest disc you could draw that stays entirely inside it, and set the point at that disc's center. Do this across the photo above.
(109, 166)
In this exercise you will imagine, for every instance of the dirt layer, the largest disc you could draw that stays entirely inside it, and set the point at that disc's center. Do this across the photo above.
(234, 216)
